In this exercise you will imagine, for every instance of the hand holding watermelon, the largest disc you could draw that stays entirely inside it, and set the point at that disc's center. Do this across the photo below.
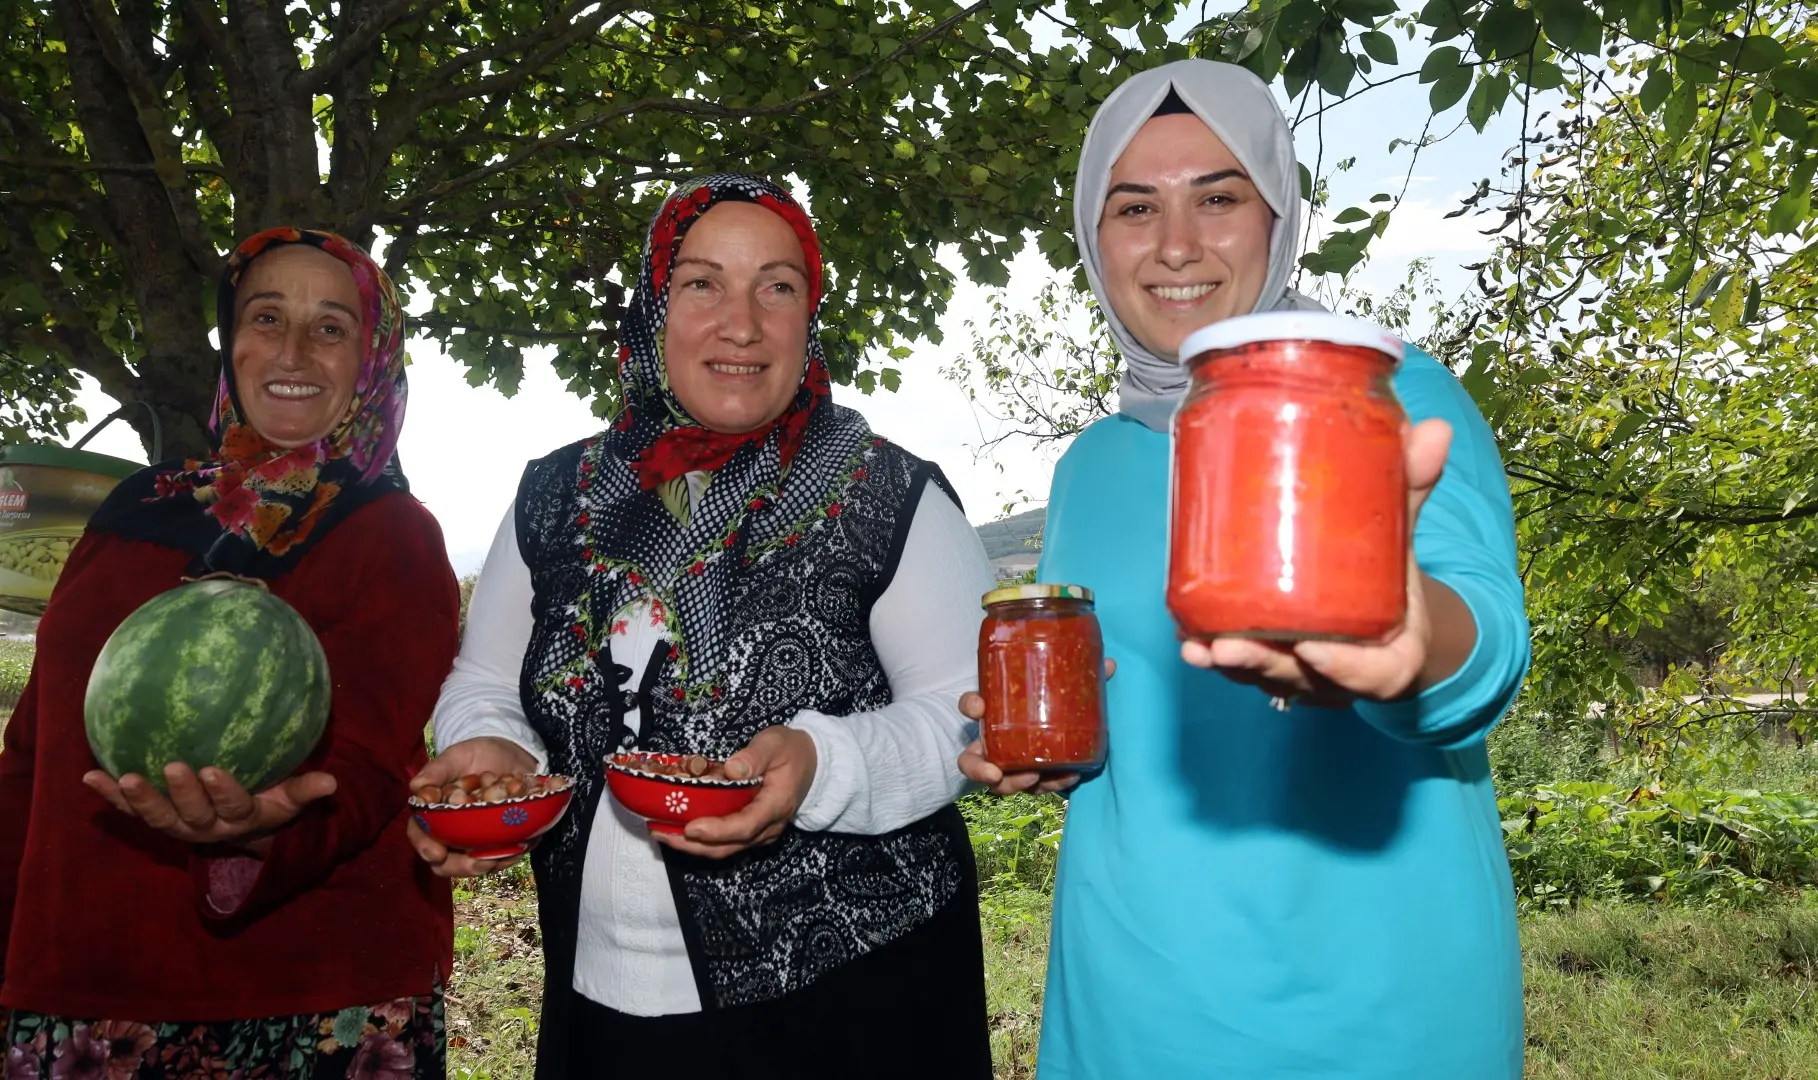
(211, 807)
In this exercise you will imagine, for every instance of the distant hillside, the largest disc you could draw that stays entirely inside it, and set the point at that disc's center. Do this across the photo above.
(1010, 537)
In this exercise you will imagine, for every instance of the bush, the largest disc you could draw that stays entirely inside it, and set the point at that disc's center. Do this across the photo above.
(1531, 747)
(1575, 841)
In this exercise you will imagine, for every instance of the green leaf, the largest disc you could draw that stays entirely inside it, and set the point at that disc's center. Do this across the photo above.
(1379, 46)
(1704, 283)
(1759, 53)
(1797, 81)
(891, 378)
(1487, 99)
(1350, 214)
(1789, 120)
(1506, 31)
(1627, 426)
(1726, 312)
(1448, 91)
(1439, 63)
(1678, 277)
(1789, 212)
(1306, 181)
(1570, 25)
(1681, 112)
(1366, 12)
(1751, 308)
(1335, 72)
(1541, 75)
(1655, 89)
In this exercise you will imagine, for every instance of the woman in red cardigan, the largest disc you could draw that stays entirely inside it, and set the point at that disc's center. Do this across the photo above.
(292, 932)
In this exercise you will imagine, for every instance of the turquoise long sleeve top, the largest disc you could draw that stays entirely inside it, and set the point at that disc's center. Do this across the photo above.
(1317, 894)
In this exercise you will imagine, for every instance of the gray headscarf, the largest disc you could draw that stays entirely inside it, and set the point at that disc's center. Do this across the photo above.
(1239, 109)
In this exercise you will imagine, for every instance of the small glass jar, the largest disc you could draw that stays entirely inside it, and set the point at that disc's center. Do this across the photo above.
(1289, 514)
(1041, 671)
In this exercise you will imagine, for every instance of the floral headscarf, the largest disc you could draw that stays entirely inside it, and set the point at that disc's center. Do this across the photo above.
(252, 508)
(655, 434)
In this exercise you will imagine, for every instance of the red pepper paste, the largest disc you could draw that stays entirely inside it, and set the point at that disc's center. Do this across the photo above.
(1289, 518)
(1041, 671)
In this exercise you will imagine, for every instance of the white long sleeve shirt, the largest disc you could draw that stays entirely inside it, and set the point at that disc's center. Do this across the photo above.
(875, 772)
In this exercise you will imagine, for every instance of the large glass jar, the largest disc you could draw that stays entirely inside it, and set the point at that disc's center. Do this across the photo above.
(1289, 515)
(1041, 671)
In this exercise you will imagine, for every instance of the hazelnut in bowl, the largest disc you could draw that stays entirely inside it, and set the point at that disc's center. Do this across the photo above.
(491, 815)
(670, 790)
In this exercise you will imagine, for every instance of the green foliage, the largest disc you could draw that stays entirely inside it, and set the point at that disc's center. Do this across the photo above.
(1016, 840)
(15, 668)
(1688, 60)
(510, 154)
(1575, 841)
(1044, 373)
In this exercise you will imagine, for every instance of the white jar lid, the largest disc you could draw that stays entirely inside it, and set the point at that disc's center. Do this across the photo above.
(1242, 330)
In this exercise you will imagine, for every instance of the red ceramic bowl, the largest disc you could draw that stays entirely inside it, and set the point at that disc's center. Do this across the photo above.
(670, 802)
(495, 830)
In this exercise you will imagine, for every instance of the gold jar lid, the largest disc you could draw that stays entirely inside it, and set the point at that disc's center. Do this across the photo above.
(1037, 591)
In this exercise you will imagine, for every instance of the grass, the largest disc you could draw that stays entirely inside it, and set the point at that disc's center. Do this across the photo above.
(1636, 992)
(497, 986)
(1613, 992)
(15, 668)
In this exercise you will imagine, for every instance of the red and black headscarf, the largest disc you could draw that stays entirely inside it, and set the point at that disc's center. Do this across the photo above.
(654, 433)
(639, 532)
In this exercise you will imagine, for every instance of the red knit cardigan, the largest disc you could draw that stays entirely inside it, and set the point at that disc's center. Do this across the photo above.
(111, 919)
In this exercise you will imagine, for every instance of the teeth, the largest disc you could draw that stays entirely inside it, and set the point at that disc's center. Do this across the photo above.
(1181, 292)
(292, 390)
(737, 369)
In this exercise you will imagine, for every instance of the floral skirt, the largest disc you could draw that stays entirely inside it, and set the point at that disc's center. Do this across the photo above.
(399, 1040)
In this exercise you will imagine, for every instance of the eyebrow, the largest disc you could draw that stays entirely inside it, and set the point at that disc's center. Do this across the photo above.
(771, 265)
(1198, 181)
(274, 294)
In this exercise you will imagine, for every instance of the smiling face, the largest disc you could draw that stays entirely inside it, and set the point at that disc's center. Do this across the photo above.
(297, 344)
(1183, 240)
(737, 335)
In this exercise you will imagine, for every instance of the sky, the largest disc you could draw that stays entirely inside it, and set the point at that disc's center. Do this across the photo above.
(464, 448)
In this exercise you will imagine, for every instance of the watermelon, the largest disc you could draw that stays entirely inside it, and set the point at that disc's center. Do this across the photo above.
(215, 672)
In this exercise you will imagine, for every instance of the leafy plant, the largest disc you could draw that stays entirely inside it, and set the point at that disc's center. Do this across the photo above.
(1569, 842)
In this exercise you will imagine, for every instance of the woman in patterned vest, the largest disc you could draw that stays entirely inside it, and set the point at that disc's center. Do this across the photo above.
(738, 568)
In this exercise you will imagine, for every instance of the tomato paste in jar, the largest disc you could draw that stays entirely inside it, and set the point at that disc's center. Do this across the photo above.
(1289, 516)
(1041, 671)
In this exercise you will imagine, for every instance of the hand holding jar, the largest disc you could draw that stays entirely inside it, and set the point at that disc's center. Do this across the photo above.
(1297, 484)
(1041, 701)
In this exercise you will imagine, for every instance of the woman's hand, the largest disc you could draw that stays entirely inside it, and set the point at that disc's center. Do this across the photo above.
(481, 755)
(786, 759)
(1430, 645)
(211, 807)
(974, 767)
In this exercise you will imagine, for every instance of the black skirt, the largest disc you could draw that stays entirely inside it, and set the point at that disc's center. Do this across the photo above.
(914, 1008)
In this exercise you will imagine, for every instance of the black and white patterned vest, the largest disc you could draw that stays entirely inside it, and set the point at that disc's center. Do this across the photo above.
(809, 566)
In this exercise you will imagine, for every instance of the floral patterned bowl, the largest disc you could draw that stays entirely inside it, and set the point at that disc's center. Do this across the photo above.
(670, 802)
(494, 830)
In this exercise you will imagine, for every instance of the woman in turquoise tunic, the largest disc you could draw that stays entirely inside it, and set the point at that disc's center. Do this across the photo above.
(1291, 865)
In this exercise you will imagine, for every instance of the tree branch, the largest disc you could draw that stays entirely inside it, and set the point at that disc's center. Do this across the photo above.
(360, 26)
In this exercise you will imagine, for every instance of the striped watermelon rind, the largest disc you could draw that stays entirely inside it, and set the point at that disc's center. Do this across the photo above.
(215, 672)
